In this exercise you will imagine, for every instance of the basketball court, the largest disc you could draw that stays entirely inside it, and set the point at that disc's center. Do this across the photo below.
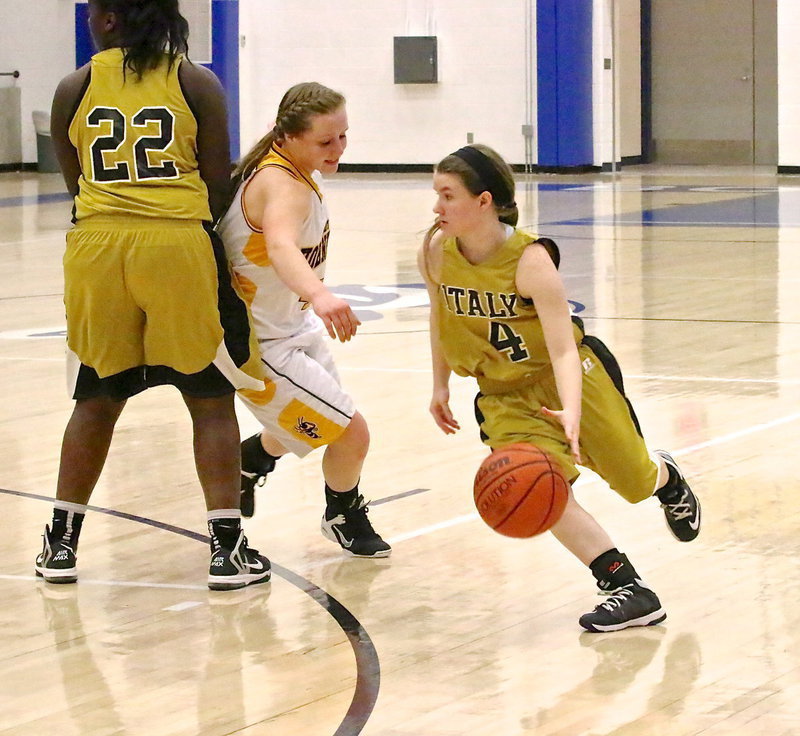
(690, 274)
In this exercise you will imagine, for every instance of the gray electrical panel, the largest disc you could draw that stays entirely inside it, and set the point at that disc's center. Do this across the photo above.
(415, 60)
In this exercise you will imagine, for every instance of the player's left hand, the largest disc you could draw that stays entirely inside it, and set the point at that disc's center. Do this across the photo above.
(571, 422)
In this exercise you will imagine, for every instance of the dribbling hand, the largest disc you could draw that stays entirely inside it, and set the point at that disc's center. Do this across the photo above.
(572, 427)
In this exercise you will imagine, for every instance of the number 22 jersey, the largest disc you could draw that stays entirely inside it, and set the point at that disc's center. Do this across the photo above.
(137, 143)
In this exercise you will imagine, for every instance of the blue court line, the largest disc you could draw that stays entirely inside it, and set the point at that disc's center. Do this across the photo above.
(757, 211)
(35, 199)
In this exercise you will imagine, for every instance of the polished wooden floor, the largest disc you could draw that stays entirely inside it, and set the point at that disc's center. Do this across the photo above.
(691, 275)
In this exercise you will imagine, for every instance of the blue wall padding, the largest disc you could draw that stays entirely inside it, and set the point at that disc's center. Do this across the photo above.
(564, 81)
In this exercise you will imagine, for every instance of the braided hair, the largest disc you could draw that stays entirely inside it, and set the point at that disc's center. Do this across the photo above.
(298, 107)
(148, 29)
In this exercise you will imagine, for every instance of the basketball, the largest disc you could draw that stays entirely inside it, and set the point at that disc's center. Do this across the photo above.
(519, 491)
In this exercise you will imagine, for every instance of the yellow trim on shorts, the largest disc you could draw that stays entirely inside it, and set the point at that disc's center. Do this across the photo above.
(307, 425)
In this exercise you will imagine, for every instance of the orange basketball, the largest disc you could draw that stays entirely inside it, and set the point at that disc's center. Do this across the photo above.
(519, 491)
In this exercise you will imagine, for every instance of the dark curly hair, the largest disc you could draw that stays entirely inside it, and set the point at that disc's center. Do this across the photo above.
(146, 30)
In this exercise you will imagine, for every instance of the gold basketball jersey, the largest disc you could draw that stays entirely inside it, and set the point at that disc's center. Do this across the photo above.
(136, 141)
(487, 330)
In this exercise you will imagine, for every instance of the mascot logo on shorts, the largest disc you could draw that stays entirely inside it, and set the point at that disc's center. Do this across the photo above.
(307, 428)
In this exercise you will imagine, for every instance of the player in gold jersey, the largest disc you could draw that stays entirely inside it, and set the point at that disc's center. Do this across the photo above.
(141, 137)
(499, 313)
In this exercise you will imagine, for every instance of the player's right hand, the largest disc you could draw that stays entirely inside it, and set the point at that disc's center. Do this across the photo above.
(440, 409)
(336, 314)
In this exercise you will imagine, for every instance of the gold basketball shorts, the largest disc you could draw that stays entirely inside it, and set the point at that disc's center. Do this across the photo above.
(154, 293)
(610, 441)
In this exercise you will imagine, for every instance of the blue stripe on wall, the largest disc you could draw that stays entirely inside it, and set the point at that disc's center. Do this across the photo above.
(547, 83)
(564, 80)
(224, 54)
(225, 60)
(84, 46)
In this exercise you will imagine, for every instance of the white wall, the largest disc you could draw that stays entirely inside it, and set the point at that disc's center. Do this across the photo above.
(788, 83)
(605, 124)
(617, 105)
(348, 45)
(37, 37)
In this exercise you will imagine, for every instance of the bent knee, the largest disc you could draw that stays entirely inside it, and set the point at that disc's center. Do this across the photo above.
(356, 436)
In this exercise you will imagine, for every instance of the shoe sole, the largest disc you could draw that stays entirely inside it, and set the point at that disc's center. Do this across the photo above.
(383, 553)
(57, 578)
(651, 619)
(332, 537)
(237, 582)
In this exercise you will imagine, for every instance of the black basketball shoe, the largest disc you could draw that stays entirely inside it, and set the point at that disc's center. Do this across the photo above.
(352, 531)
(236, 567)
(681, 507)
(57, 561)
(256, 465)
(633, 604)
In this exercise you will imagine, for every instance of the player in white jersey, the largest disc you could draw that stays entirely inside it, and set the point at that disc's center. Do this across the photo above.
(276, 237)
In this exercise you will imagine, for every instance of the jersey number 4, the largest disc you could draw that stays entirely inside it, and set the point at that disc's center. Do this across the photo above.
(504, 339)
(105, 144)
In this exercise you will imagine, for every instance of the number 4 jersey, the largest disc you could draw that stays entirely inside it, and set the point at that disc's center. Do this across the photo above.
(487, 330)
(136, 140)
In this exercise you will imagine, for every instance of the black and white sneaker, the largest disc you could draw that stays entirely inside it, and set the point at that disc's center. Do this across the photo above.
(352, 531)
(57, 562)
(681, 507)
(237, 567)
(633, 604)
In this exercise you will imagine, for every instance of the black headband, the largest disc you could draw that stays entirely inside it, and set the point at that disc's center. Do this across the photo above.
(488, 174)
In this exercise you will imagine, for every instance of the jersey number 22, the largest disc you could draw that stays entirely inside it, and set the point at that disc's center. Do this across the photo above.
(121, 171)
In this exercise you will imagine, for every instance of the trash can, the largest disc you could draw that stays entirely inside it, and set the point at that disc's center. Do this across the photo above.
(45, 153)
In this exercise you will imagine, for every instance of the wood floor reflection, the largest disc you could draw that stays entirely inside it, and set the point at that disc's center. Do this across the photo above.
(692, 277)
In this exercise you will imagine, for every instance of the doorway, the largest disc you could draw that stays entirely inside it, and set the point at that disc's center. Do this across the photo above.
(713, 92)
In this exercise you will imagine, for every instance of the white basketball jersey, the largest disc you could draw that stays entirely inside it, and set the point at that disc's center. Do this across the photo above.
(277, 311)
